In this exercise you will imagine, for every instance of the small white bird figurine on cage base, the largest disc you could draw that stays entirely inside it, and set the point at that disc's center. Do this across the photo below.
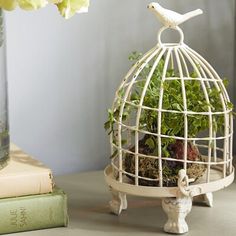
(171, 129)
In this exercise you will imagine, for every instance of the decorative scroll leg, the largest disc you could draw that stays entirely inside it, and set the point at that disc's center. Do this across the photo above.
(176, 210)
(118, 202)
(205, 198)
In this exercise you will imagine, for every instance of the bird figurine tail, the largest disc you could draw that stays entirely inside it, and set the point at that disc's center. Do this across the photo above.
(192, 14)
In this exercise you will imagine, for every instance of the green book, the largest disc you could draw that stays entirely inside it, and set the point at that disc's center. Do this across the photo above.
(33, 212)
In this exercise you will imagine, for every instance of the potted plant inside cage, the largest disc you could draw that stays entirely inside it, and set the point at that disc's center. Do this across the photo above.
(172, 125)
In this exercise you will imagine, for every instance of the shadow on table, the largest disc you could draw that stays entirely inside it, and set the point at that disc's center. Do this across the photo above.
(89, 210)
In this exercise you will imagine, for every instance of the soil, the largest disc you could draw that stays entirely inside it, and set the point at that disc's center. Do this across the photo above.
(149, 167)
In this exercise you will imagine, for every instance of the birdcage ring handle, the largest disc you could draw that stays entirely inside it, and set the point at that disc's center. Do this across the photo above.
(181, 41)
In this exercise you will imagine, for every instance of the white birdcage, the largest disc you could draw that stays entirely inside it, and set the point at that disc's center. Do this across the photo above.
(165, 148)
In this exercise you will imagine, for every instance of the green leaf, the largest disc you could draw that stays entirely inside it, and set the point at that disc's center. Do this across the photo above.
(177, 107)
(226, 82)
(107, 125)
(150, 143)
(230, 105)
(134, 56)
(165, 152)
(114, 154)
(123, 141)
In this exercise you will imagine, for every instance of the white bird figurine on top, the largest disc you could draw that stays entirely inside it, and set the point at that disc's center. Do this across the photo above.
(170, 18)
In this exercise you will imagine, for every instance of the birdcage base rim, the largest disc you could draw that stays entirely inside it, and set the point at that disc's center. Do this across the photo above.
(197, 188)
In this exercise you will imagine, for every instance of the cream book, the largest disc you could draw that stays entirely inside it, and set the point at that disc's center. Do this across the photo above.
(24, 176)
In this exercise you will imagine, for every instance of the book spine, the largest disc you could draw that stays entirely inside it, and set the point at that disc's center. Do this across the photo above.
(33, 212)
(27, 184)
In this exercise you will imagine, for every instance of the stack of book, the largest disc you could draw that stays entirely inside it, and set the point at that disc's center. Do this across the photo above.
(28, 198)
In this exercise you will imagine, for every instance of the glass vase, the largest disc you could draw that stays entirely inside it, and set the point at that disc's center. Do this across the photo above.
(4, 126)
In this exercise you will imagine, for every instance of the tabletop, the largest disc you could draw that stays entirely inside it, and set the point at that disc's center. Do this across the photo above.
(88, 198)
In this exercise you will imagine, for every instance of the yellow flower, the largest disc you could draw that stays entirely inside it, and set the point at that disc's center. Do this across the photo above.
(8, 4)
(67, 8)
(24, 4)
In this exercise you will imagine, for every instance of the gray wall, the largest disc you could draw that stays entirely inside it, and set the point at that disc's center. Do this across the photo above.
(63, 74)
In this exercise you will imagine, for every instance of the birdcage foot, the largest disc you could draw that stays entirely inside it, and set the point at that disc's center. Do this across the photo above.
(207, 199)
(176, 210)
(118, 202)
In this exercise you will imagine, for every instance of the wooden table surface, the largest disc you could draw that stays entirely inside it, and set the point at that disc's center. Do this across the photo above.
(89, 213)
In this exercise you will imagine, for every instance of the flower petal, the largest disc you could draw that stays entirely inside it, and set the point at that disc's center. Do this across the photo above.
(68, 8)
(32, 4)
(8, 4)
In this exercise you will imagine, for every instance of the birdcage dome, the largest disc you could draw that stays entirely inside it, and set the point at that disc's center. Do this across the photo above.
(171, 128)
(171, 112)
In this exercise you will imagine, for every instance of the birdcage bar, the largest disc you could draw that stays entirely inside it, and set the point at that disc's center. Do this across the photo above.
(215, 147)
(135, 76)
(134, 67)
(215, 77)
(184, 78)
(171, 159)
(130, 72)
(226, 116)
(185, 157)
(185, 68)
(176, 111)
(160, 115)
(206, 146)
(206, 80)
(231, 143)
(188, 79)
(202, 74)
(127, 92)
(224, 98)
(226, 146)
(211, 135)
(174, 137)
(171, 62)
(157, 60)
(213, 120)
(130, 174)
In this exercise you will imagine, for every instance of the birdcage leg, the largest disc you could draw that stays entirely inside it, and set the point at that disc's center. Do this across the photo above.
(205, 198)
(176, 210)
(208, 197)
(118, 202)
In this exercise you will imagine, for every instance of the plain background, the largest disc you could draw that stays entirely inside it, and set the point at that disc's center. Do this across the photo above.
(63, 74)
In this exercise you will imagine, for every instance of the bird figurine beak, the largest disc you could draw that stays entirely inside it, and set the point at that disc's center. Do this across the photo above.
(149, 6)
